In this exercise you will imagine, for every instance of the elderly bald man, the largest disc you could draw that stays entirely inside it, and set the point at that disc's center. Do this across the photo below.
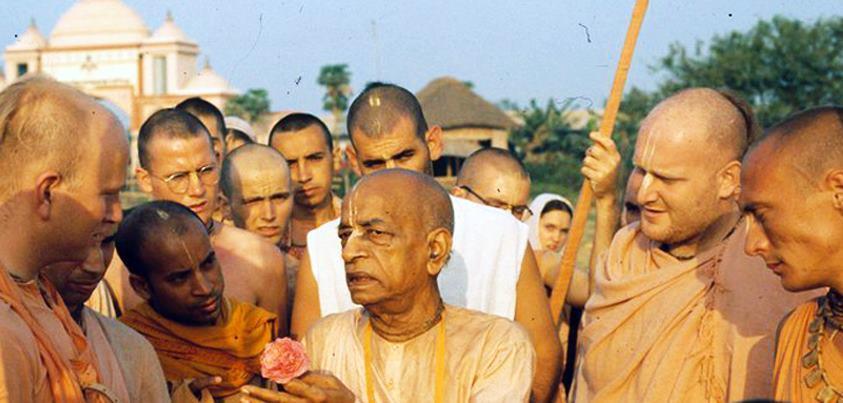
(493, 269)
(405, 344)
(63, 160)
(683, 313)
(793, 194)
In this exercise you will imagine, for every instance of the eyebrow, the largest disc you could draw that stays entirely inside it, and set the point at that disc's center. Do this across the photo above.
(211, 256)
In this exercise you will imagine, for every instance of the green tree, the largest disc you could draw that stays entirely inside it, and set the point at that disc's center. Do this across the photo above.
(336, 79)
(249, 106)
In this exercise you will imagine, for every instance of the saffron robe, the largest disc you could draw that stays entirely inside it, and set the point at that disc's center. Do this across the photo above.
(662, 329)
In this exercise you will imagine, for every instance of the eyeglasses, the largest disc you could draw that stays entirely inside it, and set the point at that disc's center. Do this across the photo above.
(179, 182)
(520, 211)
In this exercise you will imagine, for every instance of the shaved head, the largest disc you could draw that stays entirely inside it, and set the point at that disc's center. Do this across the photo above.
(43, 125)
(250, 157)
(494, 177)
(810, 141)
(723, 123)
(380, 108)
(494, 160)
(412, 193)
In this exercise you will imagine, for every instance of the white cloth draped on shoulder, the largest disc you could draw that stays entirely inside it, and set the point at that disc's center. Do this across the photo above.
(482, 273)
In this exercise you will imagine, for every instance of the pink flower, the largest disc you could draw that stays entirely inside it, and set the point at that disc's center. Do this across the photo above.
(284, 360)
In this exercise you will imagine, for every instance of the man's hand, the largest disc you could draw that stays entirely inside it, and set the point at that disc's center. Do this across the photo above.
(600, 166)
(312, 387)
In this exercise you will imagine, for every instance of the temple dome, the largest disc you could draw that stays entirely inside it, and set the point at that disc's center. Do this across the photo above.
(98, 22)
(31, 39)
(169, 32)
(207, 81)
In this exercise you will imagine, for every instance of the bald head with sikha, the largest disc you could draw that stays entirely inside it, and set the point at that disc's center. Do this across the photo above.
(793, 193)
(255, 180)
(688, 152)
(388, 130)
(496, 178)
(396, 230)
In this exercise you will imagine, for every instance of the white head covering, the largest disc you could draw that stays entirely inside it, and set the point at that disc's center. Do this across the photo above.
(536, 206)
(234, 122)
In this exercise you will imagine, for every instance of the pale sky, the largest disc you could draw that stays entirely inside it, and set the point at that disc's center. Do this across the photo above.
(510, 49)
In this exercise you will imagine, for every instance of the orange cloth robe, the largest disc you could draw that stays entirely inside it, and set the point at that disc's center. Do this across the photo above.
(789, 375)
(230, 349)
(44, 356)
(662, 329)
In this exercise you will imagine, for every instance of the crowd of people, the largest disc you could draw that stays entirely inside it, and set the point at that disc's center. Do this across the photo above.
(715, 275)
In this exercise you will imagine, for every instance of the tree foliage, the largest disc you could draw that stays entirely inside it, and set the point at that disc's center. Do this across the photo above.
(336, 79)
(249, 106)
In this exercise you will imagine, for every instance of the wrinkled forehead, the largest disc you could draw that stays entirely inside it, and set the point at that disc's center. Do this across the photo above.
(370, 202)
(262, 180)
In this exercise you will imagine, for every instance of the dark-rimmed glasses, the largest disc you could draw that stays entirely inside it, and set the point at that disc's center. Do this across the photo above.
(520, 212)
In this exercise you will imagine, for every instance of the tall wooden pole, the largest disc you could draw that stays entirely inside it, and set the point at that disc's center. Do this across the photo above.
(560, 289)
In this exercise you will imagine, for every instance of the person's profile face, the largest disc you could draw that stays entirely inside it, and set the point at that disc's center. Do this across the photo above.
(89, 210)
(792, 225)
(382, 247)
(400, 148)
(77, 284)
(184, 278)
(311, 164)
(553, 230)
(263, 203)
(184, 170)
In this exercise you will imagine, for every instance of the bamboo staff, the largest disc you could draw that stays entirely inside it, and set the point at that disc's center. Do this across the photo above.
(560, 289)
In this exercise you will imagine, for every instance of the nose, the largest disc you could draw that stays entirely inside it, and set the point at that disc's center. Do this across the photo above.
(113, 210)
(305, 173)
(95, 263)
(196, 187)
(646, 192)
(351, 251)
(390, 164)
(202, 285)
(268, 210)
(757, 243)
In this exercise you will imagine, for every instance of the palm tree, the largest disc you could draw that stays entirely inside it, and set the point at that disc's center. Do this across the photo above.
(335, 78)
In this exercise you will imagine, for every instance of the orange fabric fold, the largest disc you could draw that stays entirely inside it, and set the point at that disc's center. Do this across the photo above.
(662, 329)
(66, 378)
(789, 374)
(230, 349)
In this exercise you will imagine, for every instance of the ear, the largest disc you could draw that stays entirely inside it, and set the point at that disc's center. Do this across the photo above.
(144, 180)
(433, 138)
(439, 250)
(730, 181)
(352, 159)
(140, 286)
(834, 180)
(45, 186)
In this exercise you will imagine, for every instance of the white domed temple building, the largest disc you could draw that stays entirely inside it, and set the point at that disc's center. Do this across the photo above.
(104, 48)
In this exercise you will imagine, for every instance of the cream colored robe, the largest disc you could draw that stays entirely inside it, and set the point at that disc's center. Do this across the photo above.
(660, 329)
(137, 367)
(488, 358)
